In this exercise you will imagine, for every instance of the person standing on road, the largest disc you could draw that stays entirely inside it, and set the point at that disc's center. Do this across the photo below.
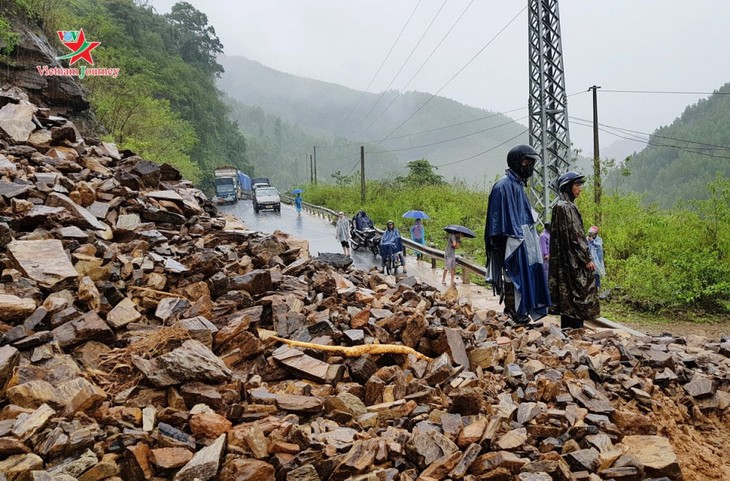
(418, 234)
(342, 233)
(545, 248)
(514, 262)
(298, 203)
(595, 245)
(453, 243)
(572, 279)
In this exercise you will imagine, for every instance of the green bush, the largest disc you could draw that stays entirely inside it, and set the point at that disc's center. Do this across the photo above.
(656, 260)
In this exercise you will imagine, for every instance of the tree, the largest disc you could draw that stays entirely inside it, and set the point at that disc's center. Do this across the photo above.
(195, 40)
(421, 173)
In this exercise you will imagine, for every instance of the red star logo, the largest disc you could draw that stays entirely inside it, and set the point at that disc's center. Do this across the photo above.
(80, 48)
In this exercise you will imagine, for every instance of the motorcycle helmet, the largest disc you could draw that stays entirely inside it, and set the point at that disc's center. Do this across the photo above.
(568, 179)
(515, 157)
(390, 222)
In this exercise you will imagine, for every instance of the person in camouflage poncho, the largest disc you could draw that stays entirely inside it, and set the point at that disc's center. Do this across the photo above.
(571, 279)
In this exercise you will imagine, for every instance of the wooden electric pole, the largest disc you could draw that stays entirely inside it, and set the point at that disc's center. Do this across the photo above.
(315, 165)
(311, 170)
(362, 174)
(596, 159)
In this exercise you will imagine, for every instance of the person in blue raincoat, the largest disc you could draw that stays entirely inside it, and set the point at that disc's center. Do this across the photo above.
(392, 244)
(298, 203)
(514, 260)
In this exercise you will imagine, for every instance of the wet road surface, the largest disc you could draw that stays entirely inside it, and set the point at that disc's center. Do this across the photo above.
(321, 236)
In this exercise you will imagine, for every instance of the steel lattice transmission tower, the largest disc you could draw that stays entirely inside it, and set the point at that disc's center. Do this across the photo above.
(548, 103)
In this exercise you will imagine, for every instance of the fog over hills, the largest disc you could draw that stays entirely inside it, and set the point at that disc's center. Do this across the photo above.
(465, 142)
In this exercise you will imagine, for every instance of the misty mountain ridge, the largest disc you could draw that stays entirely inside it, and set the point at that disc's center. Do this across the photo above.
(324, 112)
(683, 157)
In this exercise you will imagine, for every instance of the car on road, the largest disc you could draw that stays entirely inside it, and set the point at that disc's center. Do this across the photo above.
(266, 198)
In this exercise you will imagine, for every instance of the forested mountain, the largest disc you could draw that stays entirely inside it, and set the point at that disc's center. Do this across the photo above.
(469, 149)
(164, 104)
(683, 157)
(281, 151)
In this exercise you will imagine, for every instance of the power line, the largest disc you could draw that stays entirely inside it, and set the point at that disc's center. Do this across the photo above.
(453, 138)
(496, 114)
(482, 153)
(663, 92)
(710, 146)
(413, 50)
(419, 68)
(456, 74)
(689, 150)
(379, 68)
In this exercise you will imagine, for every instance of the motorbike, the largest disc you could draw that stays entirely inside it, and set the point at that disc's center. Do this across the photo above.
(366, 238)
(392, 259)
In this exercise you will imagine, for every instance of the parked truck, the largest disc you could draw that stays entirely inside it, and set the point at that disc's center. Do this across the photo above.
(227, 187)
(244, 181)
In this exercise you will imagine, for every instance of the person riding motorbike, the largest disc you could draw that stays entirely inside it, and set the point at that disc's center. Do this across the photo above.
(361, 221)
(363, 233)
(392, 245)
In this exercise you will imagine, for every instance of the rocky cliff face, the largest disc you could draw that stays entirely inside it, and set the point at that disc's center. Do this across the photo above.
(63, 95)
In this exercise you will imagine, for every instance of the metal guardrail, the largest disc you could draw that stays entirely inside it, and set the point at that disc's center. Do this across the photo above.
(436, 254)
(431, 252)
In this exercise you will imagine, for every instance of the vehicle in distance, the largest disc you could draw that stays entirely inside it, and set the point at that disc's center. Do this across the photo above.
(257, 182)
(266, 197)
(226, 185)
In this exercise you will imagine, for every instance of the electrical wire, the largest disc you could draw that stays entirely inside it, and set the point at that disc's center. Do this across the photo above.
(362, 94)
(419, 69)
(453, 138)
(708, 146)
(456, 74)
(653, 143)
(413, 50)
(663, 92)
(484, 152)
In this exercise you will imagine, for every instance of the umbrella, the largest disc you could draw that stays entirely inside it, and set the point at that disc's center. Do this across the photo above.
(416, 214)
(297, 191)
(460, 229)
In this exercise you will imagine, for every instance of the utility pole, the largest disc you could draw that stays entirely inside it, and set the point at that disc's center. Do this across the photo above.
(315, 165)
(596, 159)
(362, 174)
(311, 170)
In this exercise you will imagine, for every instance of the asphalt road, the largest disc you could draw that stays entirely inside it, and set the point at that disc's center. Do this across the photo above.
(317, 230)
(321, 236)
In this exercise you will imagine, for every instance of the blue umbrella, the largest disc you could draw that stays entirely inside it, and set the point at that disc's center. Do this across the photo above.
(416, 214)
(460, 229)
(297, 191)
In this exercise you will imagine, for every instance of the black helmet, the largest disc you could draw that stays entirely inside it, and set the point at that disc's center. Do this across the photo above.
(515, 157)
(568, 179)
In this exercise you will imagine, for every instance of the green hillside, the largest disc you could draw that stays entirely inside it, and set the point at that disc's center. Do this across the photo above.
(329, 111)
(684, 156)
(164, 104)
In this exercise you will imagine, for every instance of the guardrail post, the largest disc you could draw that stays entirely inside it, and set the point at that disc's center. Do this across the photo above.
(433, 263)
(465, 276)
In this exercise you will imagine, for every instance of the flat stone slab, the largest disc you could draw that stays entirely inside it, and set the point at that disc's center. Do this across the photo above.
(44, 261)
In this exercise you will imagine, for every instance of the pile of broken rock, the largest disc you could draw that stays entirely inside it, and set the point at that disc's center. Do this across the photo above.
(143, 338)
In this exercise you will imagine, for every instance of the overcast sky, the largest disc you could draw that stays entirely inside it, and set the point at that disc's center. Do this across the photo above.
(657, 45)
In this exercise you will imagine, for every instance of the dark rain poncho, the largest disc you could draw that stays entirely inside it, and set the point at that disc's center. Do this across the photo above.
(512, 246)
(572, 285)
